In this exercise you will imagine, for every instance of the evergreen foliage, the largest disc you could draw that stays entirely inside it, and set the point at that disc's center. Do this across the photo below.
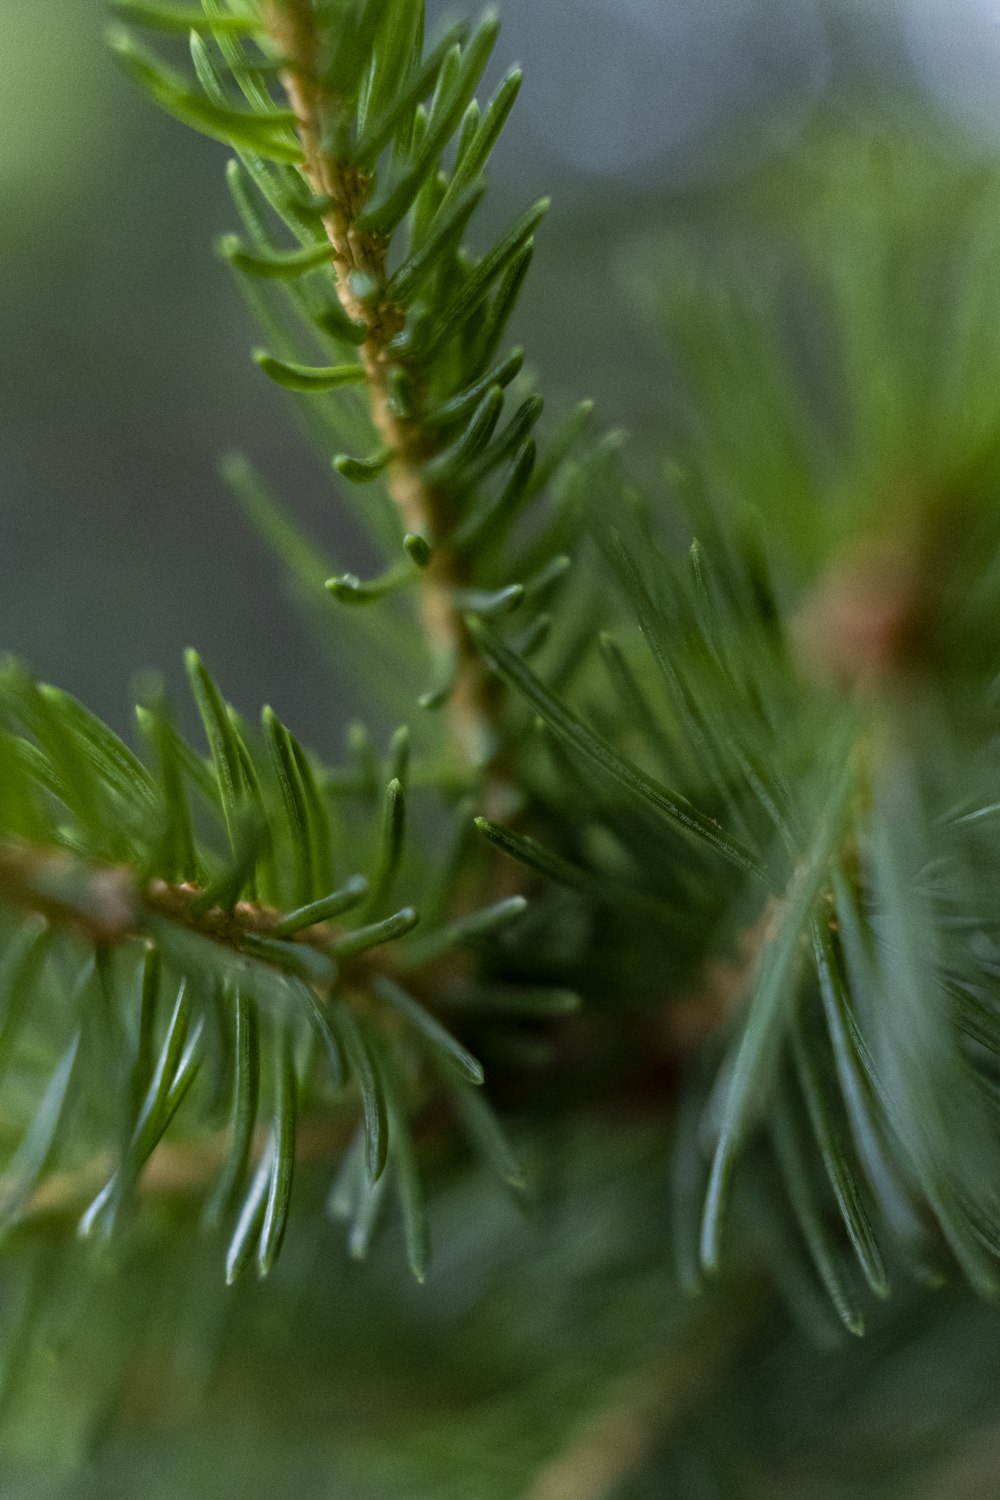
(736, 795)
(213, 892)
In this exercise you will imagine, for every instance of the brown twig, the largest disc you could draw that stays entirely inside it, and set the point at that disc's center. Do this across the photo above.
(291, 25)
(107, 903)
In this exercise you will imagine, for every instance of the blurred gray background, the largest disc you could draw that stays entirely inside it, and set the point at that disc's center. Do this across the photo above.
(124, 345)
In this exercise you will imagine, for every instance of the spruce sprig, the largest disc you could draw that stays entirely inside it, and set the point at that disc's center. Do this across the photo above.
(237, 951)
(386, 176)
(214, 888)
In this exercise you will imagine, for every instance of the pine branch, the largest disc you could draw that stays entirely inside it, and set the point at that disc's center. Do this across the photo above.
(105, 903)
(360, 260)
(264, 955)
(422, 330)
(359, 257)
(112, 856)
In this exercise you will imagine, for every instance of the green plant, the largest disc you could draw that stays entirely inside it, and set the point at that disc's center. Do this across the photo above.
(742, 809)
(252, 928)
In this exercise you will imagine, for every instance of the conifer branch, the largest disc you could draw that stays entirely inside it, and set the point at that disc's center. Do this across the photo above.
(359, 258)
(106, 902)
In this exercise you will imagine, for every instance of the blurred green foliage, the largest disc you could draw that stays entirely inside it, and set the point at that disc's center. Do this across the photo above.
(55, 126)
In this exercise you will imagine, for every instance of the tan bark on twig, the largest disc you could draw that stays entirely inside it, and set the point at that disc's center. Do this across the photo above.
(291, 25)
